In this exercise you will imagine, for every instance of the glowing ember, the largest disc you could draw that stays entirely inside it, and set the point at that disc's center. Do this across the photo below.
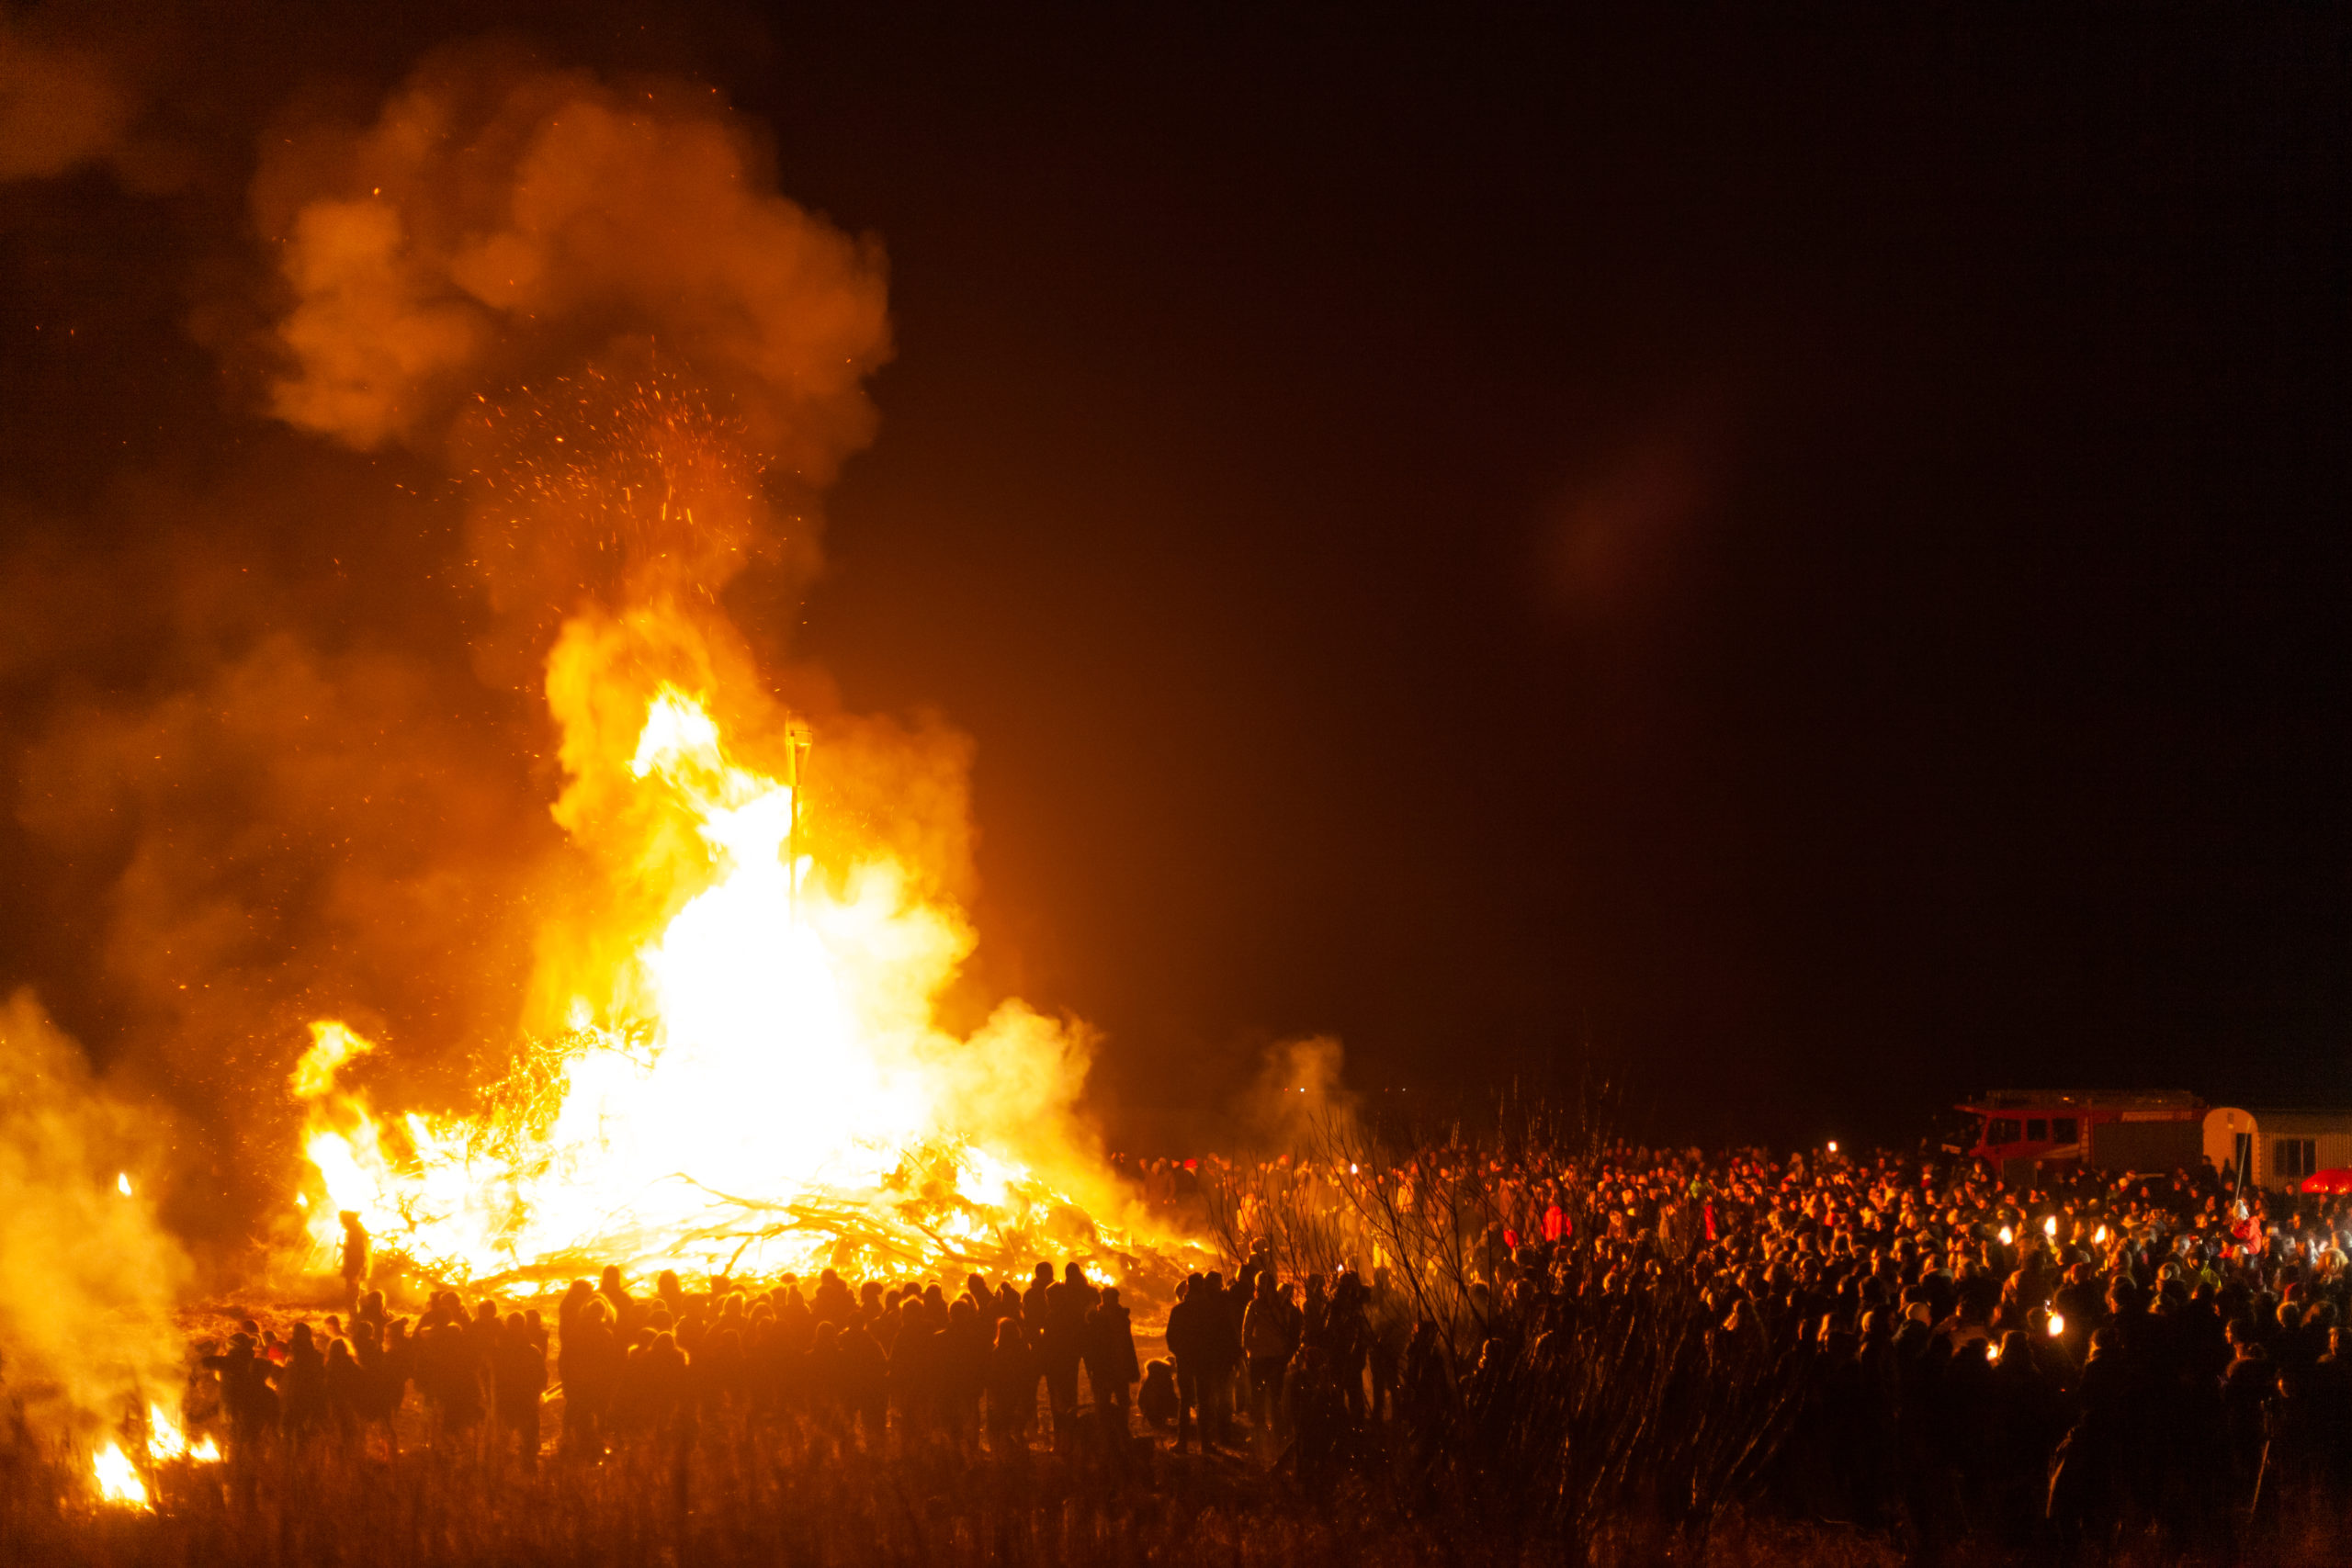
(117, 1478)
(123, 1183)
(759, 1087)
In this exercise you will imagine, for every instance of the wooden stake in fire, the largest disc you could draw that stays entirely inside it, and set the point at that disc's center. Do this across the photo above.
(797, 741)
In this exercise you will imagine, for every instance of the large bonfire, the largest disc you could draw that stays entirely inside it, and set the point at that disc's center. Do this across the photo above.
(739, 1069)
(747, 1043)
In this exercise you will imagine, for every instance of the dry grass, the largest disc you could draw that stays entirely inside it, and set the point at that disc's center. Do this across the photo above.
(741, 1498)
(753, 1497)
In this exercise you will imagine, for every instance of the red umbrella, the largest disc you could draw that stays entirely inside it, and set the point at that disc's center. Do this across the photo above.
(2326, 1183)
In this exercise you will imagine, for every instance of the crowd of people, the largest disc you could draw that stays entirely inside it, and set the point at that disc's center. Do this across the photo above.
(852, 1363)
(2056, 1353)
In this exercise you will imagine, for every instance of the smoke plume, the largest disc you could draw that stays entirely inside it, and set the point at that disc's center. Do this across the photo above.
(88, 1278)
(258, 774)
(524, 368)
(497, 219)
(1297, 1100)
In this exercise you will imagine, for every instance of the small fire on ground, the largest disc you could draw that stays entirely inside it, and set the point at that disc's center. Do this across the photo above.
(118, 1477)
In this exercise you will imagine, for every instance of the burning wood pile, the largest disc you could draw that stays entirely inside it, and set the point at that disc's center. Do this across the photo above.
(755, 1087)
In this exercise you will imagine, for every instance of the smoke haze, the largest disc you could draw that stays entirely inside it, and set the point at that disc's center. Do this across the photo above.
(497, 217)
(60, 105)
(88, 1278)
(515, 349)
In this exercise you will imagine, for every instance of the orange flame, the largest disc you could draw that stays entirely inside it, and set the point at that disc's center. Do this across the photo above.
(761, 1088)
(167, 1440)
(117, 1478)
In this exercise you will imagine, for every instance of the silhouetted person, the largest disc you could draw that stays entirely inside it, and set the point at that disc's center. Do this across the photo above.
(1032, 1301)
(1391, 1326)
(1319, 1413)
(615, 1295)
(355, 1259)
(2247, 1389)
(917, 1372)
(1270, 1338)
(964, 1368)
(787, 1352)
(347, 1388)
(866, 1381)
(519, 1372)
(448, 1375)
(1110, 1351)
(1219, 1353)
(833, 1303)
(302, 1385)
(826, 1380)
(2087, 1491)
(2024, 1416)
(1188, 1336)
(1157, 1402)
(245, 1394)
(1428, 1388)
(1062, 1346)
(1013, 1387)
(1346, 1336)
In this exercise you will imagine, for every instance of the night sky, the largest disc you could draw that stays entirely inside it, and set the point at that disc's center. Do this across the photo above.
(1801, 567)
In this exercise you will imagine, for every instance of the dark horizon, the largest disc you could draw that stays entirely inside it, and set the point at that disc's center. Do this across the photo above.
(1801, 569)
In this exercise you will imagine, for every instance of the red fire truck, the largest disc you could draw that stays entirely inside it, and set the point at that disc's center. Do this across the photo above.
(2117, 1130)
